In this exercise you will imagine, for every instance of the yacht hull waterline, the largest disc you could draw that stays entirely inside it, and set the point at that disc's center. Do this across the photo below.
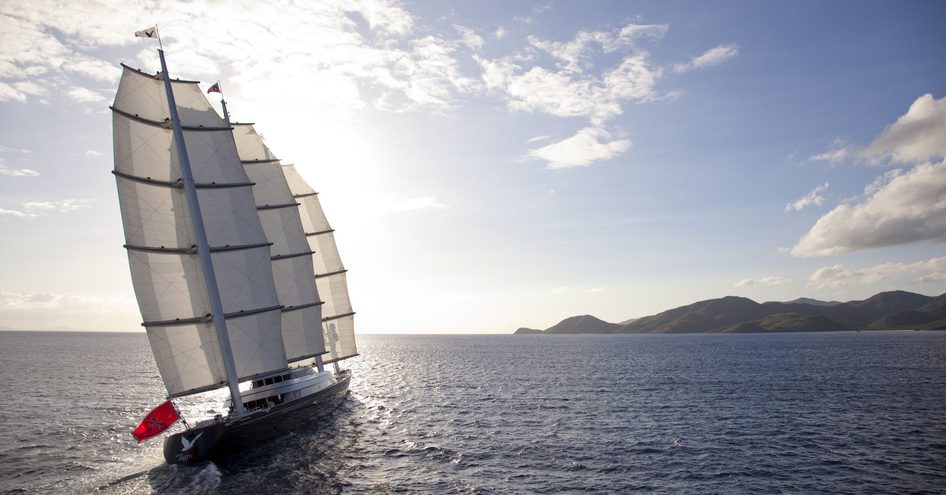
(221, 437)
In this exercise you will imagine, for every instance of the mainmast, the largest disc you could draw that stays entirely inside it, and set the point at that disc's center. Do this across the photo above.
(203, 246)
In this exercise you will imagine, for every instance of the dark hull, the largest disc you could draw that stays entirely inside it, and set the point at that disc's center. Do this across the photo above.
(225, 437)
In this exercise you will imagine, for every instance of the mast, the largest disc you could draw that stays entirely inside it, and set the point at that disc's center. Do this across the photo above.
(203, 246)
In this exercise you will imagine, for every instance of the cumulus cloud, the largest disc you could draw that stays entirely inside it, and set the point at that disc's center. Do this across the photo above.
(9, 93)
(916, 136)
(43, 42)
(578, 86)
(585, 147)
(902, 206)
(932, 270)
(770, 280)
(713, 56)
(469, 37)
(84, 95)
(812, 198)
(35, 209)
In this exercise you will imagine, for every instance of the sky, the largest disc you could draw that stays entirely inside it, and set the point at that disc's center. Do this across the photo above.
(489, 165)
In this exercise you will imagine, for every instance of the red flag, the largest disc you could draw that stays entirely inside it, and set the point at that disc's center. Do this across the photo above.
(156, 421)
(215, 88)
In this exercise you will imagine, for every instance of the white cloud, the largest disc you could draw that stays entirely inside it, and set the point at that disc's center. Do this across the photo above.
(413, 204)
(557, 291)
(567, 94)
(17, 172)
(469, 37)
(585, 147)
(770, 280)
(812, 198)
(35, 209)
(9, 93)
(570, 90)
(902, 206)
(261, 53)
(93, 153)
(500, 32)
(71, 303)
(536, 139)
(907, 207)
(932, 270)
(916, 136)
(713, 56)
(83, 95)
(833, 156)
(575, 55)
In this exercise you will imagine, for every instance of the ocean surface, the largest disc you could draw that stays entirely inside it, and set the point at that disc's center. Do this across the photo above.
(856, 412)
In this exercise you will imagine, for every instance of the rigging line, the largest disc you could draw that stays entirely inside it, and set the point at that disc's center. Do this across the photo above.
(302, 306)
(336, 317)
(329, 274)
(273, 207)
(278, 257)
(257, 160)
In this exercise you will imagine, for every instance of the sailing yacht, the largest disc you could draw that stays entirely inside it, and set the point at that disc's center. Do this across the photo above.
(234, 266)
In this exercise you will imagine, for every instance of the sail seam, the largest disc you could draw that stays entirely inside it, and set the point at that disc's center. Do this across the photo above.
(329, 274)
(165, 124)
(330, 318)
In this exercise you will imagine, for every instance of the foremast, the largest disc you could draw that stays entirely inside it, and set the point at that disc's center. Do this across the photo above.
(203, 246)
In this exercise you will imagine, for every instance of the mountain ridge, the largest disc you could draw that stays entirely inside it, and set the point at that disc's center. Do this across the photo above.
(893, 310)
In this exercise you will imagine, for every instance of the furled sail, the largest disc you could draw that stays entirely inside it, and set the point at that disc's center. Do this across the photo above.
(291, 254)
(169, 283)
(338, 319)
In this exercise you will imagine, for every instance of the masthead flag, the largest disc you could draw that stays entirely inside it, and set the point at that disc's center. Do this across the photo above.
(156, 421)
(151, 32)
(215, 88)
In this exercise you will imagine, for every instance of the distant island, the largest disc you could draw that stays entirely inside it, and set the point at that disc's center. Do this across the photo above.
(894, 310)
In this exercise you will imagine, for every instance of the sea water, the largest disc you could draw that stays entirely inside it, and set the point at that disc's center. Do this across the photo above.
(855, 412)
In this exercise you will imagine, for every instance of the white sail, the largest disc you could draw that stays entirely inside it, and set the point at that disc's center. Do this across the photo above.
(338, 319)
(160, 239)
(291, 255)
